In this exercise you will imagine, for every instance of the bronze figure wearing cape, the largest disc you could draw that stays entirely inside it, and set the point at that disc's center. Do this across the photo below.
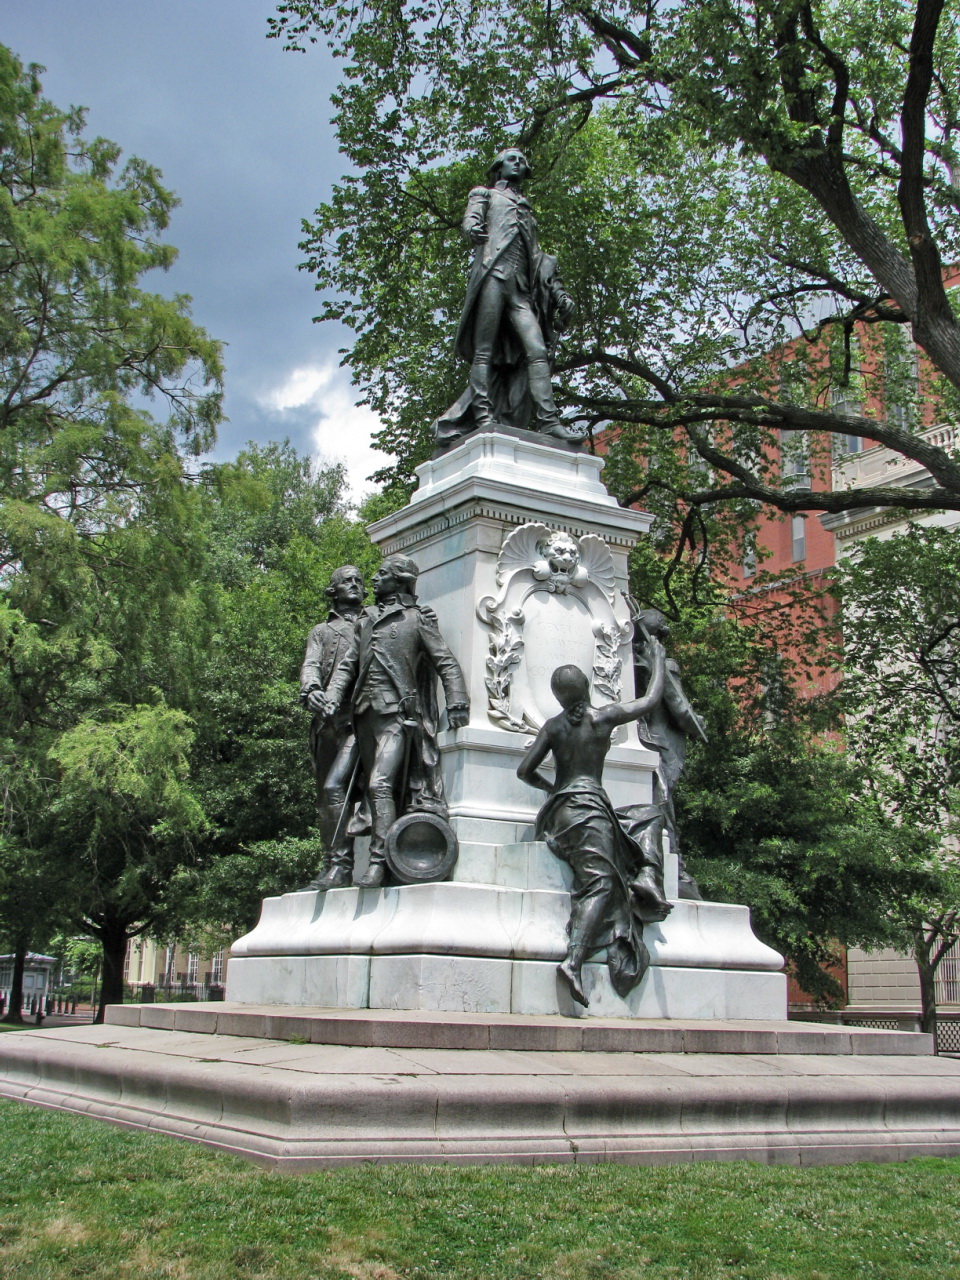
(388, 678)
(515, 308)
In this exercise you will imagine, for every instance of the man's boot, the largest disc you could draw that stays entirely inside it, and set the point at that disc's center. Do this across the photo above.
(481, 406)
(689, 889)
(336, 872)
(376, 872)
(546, 420)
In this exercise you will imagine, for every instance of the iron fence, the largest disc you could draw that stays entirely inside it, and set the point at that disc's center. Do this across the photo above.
(947, 978)
(948, 1026)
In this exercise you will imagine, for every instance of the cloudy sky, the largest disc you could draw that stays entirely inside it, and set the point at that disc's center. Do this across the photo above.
(241, 132)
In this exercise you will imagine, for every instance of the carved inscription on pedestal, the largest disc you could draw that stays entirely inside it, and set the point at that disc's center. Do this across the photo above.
(555, 605)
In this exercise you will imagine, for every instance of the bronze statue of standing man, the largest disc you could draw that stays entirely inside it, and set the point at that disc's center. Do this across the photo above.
(386, 680)
(515, 307)
(333, 743)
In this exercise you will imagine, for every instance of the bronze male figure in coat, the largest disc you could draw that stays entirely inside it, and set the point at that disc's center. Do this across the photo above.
(333, 744)
(389, 674)
(515, 307)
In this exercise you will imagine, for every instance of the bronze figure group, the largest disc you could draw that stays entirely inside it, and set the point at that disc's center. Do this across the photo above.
(369, 677)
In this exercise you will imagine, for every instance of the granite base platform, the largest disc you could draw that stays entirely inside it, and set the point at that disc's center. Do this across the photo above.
(305, 1089)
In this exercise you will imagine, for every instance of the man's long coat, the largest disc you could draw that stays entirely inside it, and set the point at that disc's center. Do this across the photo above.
(405, 641)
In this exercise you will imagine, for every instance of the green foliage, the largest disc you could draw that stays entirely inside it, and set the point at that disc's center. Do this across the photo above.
(78, 955)
(771, 810)
(724, 183)
(96, 514)
(901, 627)
(92, 492)
(30, 901)
(213, 906)
(777, 819)
(901, 623)
(275, 529)
(152, 617)
(99, 1201)
(77, 335)
(123, 809)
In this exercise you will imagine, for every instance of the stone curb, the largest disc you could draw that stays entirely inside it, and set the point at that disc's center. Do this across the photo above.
(413, 1030)
(294, 1120)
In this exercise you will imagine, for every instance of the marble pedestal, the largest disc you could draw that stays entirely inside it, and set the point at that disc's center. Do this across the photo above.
(456, 526)
(489, 942)
(523, 557)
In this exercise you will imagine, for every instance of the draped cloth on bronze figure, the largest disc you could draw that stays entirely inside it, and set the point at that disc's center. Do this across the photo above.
(581, 827)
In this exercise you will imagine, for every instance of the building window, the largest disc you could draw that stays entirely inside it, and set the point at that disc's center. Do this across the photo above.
(900, 415)
(798, 537)
(843, 401)
(947, 980)
(795, 457)
(844, 446)
(749, 561)
(900, 376)
(846, 384)
(216, 966)
(193, 967)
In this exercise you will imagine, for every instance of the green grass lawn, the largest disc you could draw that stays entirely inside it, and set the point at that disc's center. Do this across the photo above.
(81, 1198)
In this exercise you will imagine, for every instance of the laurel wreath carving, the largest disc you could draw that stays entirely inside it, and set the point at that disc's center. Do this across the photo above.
(608, 666)
(506, 649)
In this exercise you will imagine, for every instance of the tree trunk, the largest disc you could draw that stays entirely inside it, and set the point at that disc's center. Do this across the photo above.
(113, 939)
(928, 991)
(14, 1013)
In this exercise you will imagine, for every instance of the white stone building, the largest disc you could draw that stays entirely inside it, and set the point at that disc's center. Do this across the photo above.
(883, 981)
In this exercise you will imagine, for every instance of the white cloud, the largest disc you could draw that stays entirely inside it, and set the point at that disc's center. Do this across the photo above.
(340, 429)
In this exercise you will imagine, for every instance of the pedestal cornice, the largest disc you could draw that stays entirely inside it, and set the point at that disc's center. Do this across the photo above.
(506, 479)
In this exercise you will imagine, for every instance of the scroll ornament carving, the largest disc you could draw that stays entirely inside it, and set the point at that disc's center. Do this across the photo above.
(535, 559)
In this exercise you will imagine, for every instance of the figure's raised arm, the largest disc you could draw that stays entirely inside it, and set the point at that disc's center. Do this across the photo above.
(621, 712)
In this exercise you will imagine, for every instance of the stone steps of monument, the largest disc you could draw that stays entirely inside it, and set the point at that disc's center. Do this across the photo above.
(402, 1029)
(293, 1105)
